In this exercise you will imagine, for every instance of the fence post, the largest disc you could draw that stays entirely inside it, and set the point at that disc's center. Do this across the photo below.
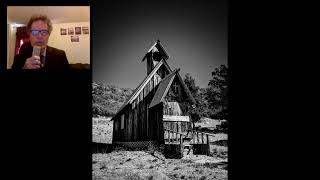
(193, 138)
(177, 139)
(197, 137)
(165, 134)
(202, 138)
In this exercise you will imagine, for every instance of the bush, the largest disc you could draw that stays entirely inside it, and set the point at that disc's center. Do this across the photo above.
(107, 99)
(222, 128)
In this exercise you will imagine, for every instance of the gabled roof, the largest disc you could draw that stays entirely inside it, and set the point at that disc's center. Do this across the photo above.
(186, 88)
(164, 86)
(137, 91)
(159, 48)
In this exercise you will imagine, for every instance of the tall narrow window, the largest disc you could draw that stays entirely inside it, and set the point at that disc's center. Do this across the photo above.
(151, 83)
(122, 122)
(155, 79)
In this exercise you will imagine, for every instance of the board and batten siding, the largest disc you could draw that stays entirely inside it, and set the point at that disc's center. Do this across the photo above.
(138, 120)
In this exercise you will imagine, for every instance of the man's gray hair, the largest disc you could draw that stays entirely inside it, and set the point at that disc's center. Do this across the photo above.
(37, 17)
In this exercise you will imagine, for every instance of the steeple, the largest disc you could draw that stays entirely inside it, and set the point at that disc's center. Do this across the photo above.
(155, 54)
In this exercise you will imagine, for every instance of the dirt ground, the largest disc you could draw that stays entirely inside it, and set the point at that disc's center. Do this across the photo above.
(102, 129)
(140, 165)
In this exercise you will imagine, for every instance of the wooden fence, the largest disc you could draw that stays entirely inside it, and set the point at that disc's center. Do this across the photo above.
(177, 137)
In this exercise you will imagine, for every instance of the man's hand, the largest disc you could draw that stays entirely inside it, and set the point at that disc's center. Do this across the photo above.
(32, 63)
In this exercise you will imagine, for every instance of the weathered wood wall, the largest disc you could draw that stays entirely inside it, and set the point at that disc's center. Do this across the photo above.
(140, 123)
(156, 128)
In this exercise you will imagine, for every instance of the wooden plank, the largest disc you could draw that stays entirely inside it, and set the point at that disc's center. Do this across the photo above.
(147, 120)
(202, 138)
(136, 124)
(147, 88)
(161, 140)
(177, 123)
(126, 126)
(140, 121)
(176, 118)
(130, 124)
(154, 124)
(115, 131)
(151, 84)
(143, 130)
(177, 140)
(133, 125)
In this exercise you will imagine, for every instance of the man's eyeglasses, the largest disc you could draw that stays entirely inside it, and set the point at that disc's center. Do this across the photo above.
(37, 32)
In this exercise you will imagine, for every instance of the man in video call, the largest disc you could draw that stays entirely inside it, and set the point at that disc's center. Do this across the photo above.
(36, 54)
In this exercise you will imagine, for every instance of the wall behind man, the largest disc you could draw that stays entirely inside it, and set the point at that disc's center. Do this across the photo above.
(77, 52)
(11, 39)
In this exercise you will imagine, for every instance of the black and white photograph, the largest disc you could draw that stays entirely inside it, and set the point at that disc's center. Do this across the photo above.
(74, 38)
(85, 30)
(63, 31)
(78, 30)
(159, 91)
(70, 31)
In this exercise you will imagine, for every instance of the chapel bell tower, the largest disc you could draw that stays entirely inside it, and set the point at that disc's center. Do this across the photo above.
(155, 54)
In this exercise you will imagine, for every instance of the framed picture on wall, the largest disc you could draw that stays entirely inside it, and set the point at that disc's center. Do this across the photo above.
(63, 31)
(70, 31)
(85, 30)
(74, 38)
(78, 30)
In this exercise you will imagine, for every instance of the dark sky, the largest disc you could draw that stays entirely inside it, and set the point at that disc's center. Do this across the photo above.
(194, 34)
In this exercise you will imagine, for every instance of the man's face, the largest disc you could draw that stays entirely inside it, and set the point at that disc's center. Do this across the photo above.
(39, 34)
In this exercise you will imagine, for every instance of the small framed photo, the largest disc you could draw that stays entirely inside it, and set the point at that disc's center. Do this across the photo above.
(63, 31)
(85, 30)
(74, 38)
(70, 31)
(78, 30)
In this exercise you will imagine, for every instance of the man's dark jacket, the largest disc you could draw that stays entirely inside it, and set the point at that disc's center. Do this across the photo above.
(55, 58)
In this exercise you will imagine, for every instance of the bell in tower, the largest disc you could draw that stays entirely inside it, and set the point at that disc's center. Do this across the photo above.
(155, 54)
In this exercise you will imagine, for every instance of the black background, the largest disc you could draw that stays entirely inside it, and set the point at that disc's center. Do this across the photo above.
(46, 117)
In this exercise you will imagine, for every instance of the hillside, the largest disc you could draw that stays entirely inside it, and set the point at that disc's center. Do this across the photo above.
(107, 99)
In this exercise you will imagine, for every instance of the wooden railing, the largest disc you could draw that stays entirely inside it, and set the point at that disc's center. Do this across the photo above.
(174, 136)
(195, 137)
